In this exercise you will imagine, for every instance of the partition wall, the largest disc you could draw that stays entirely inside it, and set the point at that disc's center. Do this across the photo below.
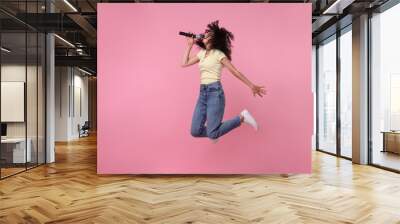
(23, 88)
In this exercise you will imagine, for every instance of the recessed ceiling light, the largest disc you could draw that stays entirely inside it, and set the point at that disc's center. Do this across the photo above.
(64, 40)
(84, 71)
(5, 50)
(338, 6)
(70, 5)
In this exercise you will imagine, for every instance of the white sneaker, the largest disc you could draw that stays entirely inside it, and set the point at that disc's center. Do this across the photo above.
(248, 119)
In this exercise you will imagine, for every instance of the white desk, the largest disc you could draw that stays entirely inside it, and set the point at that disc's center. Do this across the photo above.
(19, 149)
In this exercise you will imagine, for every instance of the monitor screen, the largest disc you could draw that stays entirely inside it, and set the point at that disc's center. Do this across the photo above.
(3, 129)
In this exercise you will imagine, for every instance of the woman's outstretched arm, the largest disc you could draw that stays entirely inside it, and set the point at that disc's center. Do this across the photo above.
(259, 90)
(186, 60)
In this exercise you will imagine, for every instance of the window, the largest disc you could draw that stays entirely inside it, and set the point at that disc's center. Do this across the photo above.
(385, 89)
(346, 74)
(327, 95)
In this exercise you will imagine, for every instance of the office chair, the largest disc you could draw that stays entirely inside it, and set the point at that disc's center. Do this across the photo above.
(84, 130)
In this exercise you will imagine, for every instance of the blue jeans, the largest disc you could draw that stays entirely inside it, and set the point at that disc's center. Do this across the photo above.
(210, 107)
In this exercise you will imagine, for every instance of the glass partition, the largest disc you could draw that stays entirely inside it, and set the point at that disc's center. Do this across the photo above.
(41, 87)
(22, 78)
(32, 95)
(13, 104)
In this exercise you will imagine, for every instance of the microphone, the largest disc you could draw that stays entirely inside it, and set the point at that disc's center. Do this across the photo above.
(197, 36)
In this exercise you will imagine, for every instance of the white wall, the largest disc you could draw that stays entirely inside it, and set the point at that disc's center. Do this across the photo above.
(80, 84)
(61, 103)
(70, 83)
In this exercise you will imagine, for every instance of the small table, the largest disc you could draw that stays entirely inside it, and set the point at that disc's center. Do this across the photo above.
(16, 153)
(391, 141)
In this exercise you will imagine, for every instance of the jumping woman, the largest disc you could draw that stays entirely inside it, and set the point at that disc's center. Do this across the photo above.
(215, 53)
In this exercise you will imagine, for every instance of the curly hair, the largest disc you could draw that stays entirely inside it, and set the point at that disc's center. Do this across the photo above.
(221, 39)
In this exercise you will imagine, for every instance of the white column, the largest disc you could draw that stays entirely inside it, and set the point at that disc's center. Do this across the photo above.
(50, 92)
(360, 90)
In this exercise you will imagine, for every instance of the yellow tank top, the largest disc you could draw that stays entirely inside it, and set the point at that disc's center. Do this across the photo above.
(210, 65)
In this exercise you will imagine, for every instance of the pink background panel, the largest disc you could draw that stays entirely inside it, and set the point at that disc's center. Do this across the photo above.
(146, 100)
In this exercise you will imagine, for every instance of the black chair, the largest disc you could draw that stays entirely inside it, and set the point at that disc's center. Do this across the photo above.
(84, 130)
